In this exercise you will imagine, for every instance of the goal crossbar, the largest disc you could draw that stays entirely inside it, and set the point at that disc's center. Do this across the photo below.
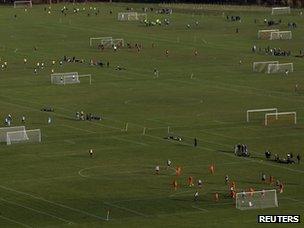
(260, 110)
(280, 10)
(16, 3)
(280, 114)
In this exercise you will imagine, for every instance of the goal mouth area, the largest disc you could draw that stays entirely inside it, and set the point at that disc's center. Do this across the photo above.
(280, 119)
(256, 200)
(23, 4)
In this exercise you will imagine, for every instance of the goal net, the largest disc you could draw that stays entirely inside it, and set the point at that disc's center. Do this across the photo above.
(65, 78)
(129, 16)
(280, 10)
(251, 111)
(105, 41)
(281, 35)
(280, 118)
(279, 68)
(142, 16)
(23, 136)
(118, 42)
(5, 130)
(21, 4)
(256, 200)
(265, 34)
(262, 66)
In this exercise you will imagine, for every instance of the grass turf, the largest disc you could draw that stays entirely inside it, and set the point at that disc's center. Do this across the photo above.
(57, 184)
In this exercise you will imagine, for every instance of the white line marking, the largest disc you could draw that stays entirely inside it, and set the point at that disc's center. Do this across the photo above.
(51, 202)
(38, 211)
(130, 141)
(200, 209)
(77, 128)
(14, 221)
(127, 209)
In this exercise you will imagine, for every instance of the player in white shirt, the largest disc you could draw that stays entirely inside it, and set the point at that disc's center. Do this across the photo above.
(157, 170)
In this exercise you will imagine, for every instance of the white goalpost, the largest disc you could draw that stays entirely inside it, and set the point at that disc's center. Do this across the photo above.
(280, 10)
(281, 35)
(131, 16)
(89, 76)
(118, 42)
(280, 68)
(265, 34)
(267, 115)
(260, 110)
(262, 66)
(101, 40)
(65, 78)
(18, 4)
(69, 78)
(257, 199)
(107, 42)
(23, 136)
(5, 130)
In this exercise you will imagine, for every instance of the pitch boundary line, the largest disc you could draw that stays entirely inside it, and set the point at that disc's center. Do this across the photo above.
(37, 211)
(14, 221)
(51, 202)
(127, 209)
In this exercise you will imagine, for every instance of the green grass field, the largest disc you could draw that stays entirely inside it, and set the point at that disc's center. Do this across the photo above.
(57, 184)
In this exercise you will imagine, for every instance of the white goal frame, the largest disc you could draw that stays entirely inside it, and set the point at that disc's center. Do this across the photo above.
(281, 35)
(86, 76)
(275, 68)
(131, 16)
(101, 39)
(63, 78)
(260, 110)
(256, 200)
(263, 66)
(30, 4)
(280, 114)
(266, 33)
(118, 42)
(27, 136)
(5, 130)
(280, 10)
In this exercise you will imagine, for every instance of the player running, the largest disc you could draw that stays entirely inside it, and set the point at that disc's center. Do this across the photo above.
(196, 196)
(190, 181)
(200, 183)
(169, 163)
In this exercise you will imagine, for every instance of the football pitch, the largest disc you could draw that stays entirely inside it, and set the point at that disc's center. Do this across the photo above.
(192, 78)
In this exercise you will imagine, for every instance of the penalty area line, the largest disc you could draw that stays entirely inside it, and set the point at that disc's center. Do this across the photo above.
(53, 203)
(200, 209)
(37, 211)
(127, 209)
(14, 221)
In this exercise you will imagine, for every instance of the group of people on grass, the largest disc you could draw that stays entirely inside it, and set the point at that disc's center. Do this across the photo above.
(289, 159)
(241, 150)
(83, 116)
(271, 51)
(190, 182)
